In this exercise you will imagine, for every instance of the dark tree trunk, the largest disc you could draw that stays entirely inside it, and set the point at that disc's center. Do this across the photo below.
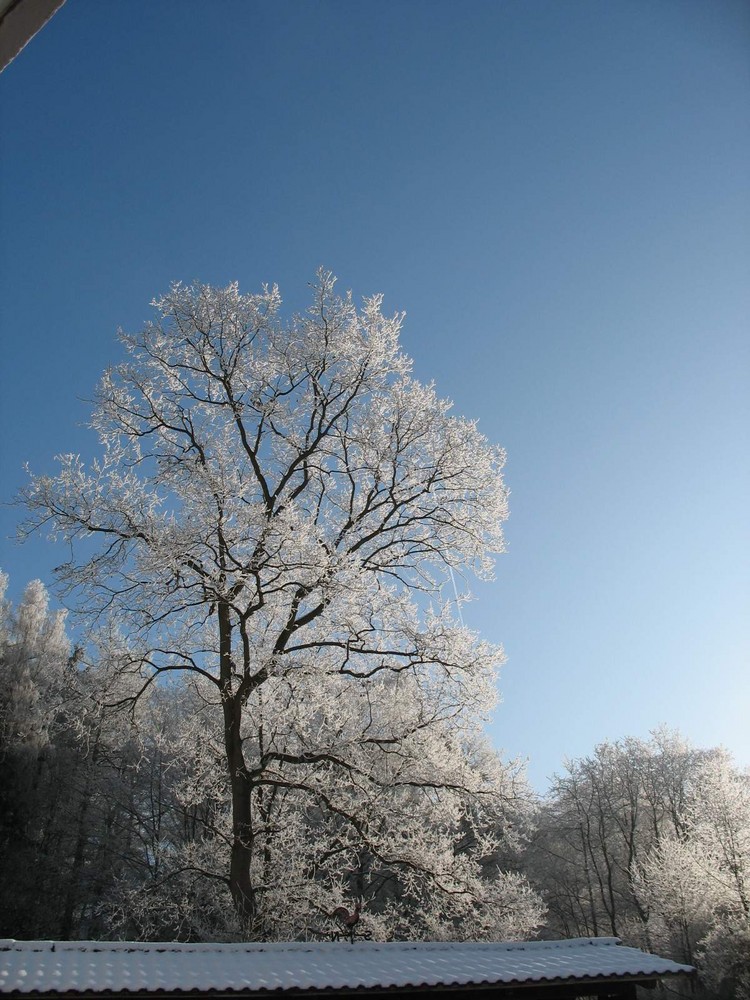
(240, 883)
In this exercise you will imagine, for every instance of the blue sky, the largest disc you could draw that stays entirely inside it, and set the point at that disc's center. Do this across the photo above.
(556, 193)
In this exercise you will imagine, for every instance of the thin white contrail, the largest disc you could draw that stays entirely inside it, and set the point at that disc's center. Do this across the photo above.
(455, 591)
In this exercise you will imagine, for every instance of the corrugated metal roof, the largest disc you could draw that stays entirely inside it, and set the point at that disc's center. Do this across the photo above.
(122, 966)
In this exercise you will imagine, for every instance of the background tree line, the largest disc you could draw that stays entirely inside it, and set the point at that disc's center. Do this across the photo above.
(107, 830)
(649, 841)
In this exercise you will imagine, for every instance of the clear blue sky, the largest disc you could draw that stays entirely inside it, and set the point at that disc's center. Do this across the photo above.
(558, 195)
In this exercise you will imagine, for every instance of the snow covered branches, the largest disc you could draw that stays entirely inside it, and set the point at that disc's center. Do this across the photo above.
(276, 513)
(650, 840)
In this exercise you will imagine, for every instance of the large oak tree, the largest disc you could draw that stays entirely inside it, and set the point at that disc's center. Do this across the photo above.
(278, 512)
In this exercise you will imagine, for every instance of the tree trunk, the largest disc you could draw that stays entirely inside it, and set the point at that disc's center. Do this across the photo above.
(240, 883)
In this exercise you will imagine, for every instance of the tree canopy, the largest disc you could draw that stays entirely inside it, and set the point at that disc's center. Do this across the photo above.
(276, 516)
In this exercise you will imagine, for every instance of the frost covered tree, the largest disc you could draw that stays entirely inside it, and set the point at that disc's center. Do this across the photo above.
(696, 883)
(650, 840)
(602, 817)
(276, 513)
(34, 650)
(34, 813)
(60, 816)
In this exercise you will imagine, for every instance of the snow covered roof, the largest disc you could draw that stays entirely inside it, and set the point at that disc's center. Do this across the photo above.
(132, 967)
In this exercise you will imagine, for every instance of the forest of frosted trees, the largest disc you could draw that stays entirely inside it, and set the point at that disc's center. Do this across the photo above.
(107, 831)
(267, 711)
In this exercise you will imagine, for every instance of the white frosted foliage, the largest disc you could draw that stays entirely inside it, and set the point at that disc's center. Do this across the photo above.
(280, 507)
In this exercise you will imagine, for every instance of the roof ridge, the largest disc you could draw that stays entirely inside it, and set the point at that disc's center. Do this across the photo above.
(185, 947)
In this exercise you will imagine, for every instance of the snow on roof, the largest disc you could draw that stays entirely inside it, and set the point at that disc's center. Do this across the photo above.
(123, 966)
